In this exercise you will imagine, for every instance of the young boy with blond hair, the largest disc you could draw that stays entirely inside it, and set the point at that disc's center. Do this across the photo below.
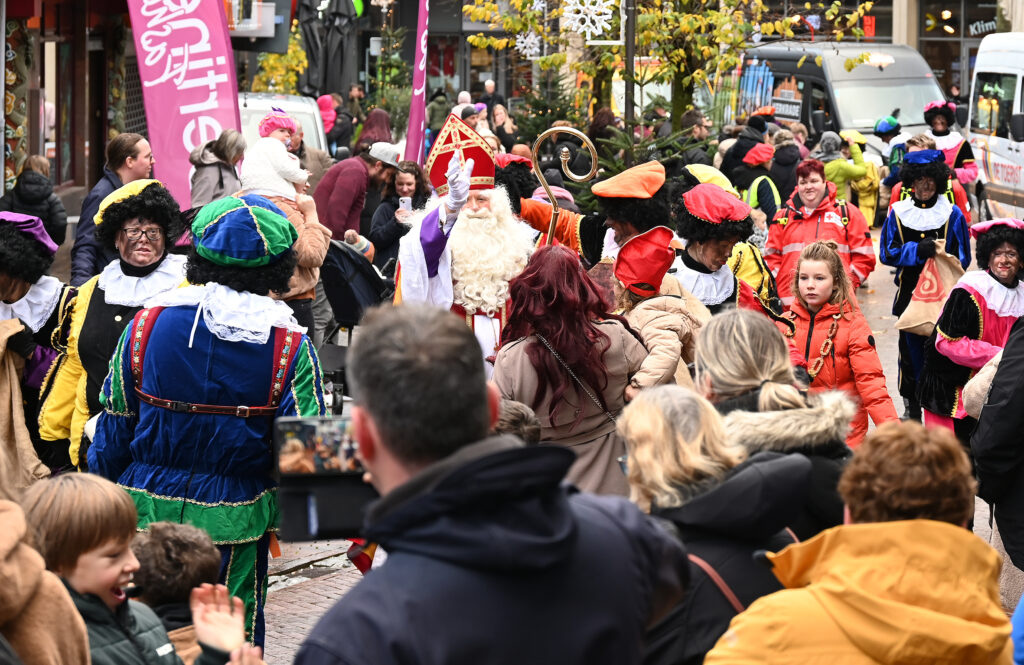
(83, 525)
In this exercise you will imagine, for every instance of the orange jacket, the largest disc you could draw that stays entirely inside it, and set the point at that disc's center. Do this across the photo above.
(851, 365)
(792, 231)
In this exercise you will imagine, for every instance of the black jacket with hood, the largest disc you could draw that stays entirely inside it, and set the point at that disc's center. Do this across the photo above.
(783, 171)
(33, 195)
(748, 138)
(817, 431)
(491, 559)
(728, 524)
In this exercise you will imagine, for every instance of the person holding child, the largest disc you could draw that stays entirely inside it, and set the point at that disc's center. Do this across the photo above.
(195, 383)
(835, 338)
(668, 330)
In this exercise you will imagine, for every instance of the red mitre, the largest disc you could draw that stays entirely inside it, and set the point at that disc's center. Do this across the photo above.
(457, 136)
(712, 204)
(643, 261)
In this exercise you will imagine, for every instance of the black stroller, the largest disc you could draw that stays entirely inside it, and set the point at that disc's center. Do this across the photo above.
(352, 286)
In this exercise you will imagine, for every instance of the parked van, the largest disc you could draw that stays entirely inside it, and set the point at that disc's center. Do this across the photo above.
(786, 75)
(252, 106)
(995, 125)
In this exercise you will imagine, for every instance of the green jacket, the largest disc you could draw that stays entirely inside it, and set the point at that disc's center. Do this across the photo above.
(133, 635)
(437, 112)
(841, 172)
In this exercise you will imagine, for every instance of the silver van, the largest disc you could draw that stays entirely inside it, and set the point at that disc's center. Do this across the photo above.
(252, 106)
(995, 125)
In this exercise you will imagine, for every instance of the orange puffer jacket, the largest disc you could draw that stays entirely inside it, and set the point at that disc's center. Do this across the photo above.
(851, 365)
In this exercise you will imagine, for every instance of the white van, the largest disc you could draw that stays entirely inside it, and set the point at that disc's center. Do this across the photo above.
(995, 125)
(252, 106)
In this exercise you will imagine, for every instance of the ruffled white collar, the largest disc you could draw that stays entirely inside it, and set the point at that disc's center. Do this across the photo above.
(923, 219)
(999, 299)
(947, 142)
(709, 288)
(36, 306)
(233, 316)
(121, 289)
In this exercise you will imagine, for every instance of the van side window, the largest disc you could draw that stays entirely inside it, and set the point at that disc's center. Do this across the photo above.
(993, 103)
(819, 101)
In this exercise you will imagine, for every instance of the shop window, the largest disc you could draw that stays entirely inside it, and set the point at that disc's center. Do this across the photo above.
(980, 19)
(993, 103)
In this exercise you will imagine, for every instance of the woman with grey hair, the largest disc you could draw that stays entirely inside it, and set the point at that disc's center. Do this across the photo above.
(215, 176)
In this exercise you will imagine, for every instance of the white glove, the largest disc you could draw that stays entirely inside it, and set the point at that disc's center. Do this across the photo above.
(458, 183)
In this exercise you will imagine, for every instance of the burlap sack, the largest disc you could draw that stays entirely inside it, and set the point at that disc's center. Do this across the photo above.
(938, 277)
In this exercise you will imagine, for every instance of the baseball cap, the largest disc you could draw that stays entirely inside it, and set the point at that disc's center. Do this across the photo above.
(387, 153)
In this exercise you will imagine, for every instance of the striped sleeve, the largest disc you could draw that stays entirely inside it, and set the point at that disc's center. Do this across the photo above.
(305, 395)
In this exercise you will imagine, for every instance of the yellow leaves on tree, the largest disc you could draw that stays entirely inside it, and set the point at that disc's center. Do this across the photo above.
(280, 72)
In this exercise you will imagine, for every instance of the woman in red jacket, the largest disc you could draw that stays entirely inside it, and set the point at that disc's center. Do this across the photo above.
(835, 339)
(814, 213)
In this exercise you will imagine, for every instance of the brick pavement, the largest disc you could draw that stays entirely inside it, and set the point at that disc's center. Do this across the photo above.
(305, 582)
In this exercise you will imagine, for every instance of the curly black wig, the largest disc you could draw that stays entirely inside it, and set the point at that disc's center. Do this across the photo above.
(988, 242)
(937, 171)
(943, 110)
(21, 256)
(153, 204)
(518, 180)
(644, 214)
(693, 229)
(261, 281)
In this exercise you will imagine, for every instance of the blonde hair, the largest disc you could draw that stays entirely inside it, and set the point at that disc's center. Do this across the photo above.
(37, 163)
(675, 439)
(739, 351)
(75, 513)
(826, 251)
(922, 141)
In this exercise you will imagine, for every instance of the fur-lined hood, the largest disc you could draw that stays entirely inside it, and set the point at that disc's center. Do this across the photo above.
(825, 421)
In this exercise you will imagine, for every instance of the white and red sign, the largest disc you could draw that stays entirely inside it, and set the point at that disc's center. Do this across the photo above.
(189, 87)
(417, 103)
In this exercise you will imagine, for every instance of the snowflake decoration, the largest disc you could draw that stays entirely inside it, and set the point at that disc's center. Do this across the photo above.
(590, 17)
(539, 6)
(528, 44)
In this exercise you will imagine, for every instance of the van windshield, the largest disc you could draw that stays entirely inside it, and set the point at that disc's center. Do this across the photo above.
(860, 103)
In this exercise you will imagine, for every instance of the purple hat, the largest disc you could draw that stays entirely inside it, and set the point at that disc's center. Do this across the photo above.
(30, 226)
(479, 106)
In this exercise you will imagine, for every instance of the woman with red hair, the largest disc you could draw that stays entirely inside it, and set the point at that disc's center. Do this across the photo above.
(814, 213)
(565, 355)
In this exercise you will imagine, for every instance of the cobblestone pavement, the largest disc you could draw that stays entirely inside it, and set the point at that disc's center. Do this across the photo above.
(310, 577)
(304, 583)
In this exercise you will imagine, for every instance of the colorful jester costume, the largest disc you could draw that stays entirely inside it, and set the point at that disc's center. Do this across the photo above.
(194, 386)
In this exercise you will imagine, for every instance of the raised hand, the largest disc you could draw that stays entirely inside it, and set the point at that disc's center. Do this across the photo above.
(218, 619)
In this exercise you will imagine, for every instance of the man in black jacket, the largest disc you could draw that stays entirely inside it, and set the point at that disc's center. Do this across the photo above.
(491, 559)
(995, 445)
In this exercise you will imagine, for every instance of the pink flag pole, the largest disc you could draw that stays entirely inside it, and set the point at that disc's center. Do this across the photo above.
(417, 102)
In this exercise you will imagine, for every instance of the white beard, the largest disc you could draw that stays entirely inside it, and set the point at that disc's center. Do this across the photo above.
(488, 249)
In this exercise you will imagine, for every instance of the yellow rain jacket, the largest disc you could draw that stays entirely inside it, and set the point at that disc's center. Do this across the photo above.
(914, 592)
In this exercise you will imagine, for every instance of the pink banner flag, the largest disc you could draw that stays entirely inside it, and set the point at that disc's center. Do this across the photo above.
(417, 104)
(189, 87)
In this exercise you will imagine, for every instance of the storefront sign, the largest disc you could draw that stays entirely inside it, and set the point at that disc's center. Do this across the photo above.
(417, 103)
(189, 88)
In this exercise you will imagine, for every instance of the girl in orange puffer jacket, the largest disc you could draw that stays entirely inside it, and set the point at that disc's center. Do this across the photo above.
(835, 338)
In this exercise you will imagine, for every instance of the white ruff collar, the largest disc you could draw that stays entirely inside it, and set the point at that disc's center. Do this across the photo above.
(121, 289)
(947, 142)
(233, 316)
(923, 219)
(709, 288)
(998, 298)
(36, 306)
